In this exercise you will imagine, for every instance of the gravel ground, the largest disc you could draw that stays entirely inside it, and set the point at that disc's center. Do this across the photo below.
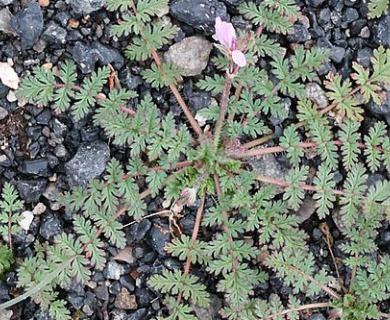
(44, 154)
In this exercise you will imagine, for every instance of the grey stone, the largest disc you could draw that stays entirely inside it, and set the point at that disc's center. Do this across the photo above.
(382, 35)
(5, 2)
(268, 166)
(3, 113)
(191, 54)
(315, 3)
(88, 163)
(337, 54)
(211, 312)
(199, 14)
(315, 93)
(157, 238)
(5, 20)
(38, 167)
(350, 15)
(138, 315)
(317, 316)
(86, 6)
(87, 56)
(114, 270)
(31, 190)
(54, 34)
(50, 227)
(364, 57)
(299, 34)
(28, 24)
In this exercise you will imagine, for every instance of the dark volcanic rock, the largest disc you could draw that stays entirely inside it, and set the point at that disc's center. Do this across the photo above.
(54, 34)
(86, 6)
(157, 238)
(50, 227)
(87, 56)
(28, 24)
(36, 166)
(299, 34)
(89, 162)
(382, 35)
(31, 190)
(199, 14)
(315, 3)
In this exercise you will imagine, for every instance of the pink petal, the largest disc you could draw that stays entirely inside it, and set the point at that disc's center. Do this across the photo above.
(239, 58)
(225, 33)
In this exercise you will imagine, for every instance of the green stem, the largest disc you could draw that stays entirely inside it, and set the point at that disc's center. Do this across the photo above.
(223, 108)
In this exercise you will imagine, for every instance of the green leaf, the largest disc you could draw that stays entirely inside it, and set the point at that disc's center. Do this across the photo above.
(324, 194)
(294, 193)
(165, 75)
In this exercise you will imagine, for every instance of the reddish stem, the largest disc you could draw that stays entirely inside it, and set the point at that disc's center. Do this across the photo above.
(309, 144)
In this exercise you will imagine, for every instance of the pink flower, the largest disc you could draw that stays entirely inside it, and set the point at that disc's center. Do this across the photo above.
(226, 35)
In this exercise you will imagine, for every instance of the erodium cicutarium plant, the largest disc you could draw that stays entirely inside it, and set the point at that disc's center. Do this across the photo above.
(246, 223)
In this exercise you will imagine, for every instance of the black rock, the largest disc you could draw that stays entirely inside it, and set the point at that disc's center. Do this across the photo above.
(199, 100)
(157, 239)
(62, 18)
(382, 35)
(54, 34)
(28, 24)
(138, 315)
(76, 301)
(38, 167)
(127, 282)
(33, 132)
(85, 7)
(101, 292)
(5, 2)
(381, 111)
(315, 3)
(90, 135)
(357, 26)
(364, 57)
(337, 54)
(137, 231)
(315, 30)
(317, 316)
(129, 80)
(115, 288)
(299, 34)
(324, 18)
(74, 35)
(88, 163)
(51, 226)
(232, 3)
(44, 117)
(3, 90)
(31, 190)
(4, 296)
(199, 14)
(88, 56)
(350, 14)
(143, 297)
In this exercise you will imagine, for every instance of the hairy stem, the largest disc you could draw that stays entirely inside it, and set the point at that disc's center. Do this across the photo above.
(194, 236)
(284, 184)
(223, 108)
(278, 149)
